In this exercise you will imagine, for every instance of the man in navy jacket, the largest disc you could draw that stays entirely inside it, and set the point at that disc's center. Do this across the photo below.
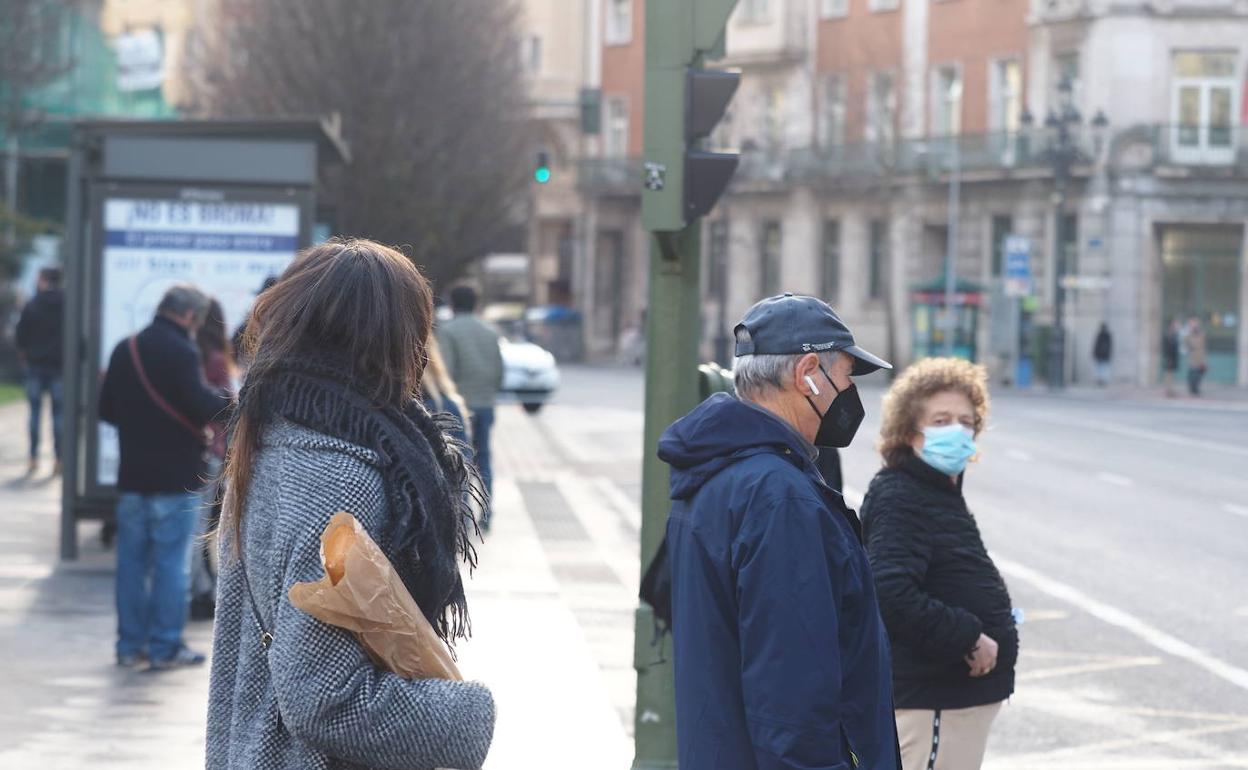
(160, 407)
(781, 659)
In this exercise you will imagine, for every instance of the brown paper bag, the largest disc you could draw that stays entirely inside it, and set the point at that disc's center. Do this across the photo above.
(362, 593)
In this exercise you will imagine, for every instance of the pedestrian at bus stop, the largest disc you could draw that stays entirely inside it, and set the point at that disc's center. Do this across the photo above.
(329, 420)
(217, 356)
(1170, 343)
(441, 394)
(946, 607)
(154, 392)
(1102, 354)
(1197, 355)
(781, 659)
(39, 344)
(475, 363)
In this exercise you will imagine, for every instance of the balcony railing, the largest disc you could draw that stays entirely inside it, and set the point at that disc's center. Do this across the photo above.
(991, 154)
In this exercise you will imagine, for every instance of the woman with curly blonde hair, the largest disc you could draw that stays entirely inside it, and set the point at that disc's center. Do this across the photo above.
(944, 603)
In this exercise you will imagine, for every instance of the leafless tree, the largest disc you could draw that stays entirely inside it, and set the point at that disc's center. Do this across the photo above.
(30, 58)
(431, 101)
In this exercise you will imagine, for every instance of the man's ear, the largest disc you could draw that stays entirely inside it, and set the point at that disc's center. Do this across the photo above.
(807, 366)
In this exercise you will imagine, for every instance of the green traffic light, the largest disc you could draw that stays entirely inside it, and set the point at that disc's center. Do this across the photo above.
(542, 175)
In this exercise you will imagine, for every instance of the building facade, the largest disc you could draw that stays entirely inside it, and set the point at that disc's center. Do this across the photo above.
(555, 61)
(855, 118)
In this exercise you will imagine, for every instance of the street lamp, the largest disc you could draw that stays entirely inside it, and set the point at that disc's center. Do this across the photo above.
(1063, 153)
(1100, 126)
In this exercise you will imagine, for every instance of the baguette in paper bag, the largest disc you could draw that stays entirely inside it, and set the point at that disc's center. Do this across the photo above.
(362, 593)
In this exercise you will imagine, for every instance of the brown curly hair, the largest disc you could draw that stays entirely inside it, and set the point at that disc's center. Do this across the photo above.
(904, 401)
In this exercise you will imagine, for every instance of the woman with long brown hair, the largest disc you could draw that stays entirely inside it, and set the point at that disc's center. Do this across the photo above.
(442, 395)
(329, 419)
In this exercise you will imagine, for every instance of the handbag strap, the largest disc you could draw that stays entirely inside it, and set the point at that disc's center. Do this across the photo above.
(266, 636)
(164, 405)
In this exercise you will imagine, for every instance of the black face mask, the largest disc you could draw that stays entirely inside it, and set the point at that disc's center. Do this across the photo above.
(838, 425)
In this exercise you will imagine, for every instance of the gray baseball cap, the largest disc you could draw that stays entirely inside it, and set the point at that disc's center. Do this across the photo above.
(792, 324)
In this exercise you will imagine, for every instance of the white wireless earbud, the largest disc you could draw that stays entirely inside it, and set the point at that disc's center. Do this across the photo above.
(811, 383)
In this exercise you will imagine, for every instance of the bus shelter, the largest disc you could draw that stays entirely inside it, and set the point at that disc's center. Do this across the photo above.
(222, 205)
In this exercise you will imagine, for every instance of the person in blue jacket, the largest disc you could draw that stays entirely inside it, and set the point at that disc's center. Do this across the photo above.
(781, 658)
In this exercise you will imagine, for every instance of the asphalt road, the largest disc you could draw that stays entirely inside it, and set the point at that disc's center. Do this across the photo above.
(1121, 526)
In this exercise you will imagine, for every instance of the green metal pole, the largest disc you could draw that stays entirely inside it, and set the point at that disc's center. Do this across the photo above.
(672, 336)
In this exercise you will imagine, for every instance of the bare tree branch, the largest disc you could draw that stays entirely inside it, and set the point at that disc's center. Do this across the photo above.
(431, 99)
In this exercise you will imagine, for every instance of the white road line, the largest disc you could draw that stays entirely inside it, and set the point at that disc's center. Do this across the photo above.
(1031, 675)
(1115, 479)
(1129, 623)
(1039, 616)
(1019, 455)
(1140, 433)
(1235, 508)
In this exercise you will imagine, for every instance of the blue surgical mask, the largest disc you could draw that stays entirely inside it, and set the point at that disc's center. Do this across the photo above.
(947, 448)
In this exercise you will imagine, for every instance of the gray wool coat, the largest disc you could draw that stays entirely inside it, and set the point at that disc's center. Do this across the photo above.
(314, 700)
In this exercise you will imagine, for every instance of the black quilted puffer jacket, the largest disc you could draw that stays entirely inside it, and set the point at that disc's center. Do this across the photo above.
(938, 590)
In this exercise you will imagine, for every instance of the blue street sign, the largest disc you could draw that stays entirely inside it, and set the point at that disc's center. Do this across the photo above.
(1017, 267)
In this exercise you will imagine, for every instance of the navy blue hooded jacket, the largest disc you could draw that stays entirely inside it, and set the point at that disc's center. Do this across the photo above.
(781, 658)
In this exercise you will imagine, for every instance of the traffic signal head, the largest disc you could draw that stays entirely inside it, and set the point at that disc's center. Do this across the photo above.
(707, 174)
(684, 102)
(541, 170)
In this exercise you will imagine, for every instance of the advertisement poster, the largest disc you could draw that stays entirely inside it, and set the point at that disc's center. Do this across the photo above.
(225, 248)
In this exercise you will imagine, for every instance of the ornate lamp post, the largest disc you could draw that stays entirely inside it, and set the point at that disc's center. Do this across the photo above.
(1063, 153)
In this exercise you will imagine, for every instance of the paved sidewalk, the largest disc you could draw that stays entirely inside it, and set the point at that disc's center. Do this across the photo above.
(65, 705)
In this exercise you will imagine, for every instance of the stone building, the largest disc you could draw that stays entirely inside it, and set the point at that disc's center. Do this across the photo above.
(854, 118)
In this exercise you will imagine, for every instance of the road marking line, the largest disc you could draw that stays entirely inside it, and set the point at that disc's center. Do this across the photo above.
(1039, 616)
(1019, 455)
(1238, 510)
(1146, 711)
(1140, 433)
(1166, 738)
(1129, 623)
(1115, 479)
(1087, 668)
(1032, 761)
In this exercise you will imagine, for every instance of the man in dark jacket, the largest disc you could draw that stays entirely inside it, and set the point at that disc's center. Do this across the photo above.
(154, 392)
(39, 344)
(781, 658)
(1170, 344)
(1102, 353)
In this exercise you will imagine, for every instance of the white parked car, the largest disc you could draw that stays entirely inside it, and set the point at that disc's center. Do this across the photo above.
(530, 374)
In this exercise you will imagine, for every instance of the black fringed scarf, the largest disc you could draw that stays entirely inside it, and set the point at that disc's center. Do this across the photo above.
(429, 483)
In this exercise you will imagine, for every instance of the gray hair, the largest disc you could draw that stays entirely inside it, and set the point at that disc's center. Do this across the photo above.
(759, 374)
(181, 298)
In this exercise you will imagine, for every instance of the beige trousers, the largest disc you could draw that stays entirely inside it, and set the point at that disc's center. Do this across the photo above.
(949, 739)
